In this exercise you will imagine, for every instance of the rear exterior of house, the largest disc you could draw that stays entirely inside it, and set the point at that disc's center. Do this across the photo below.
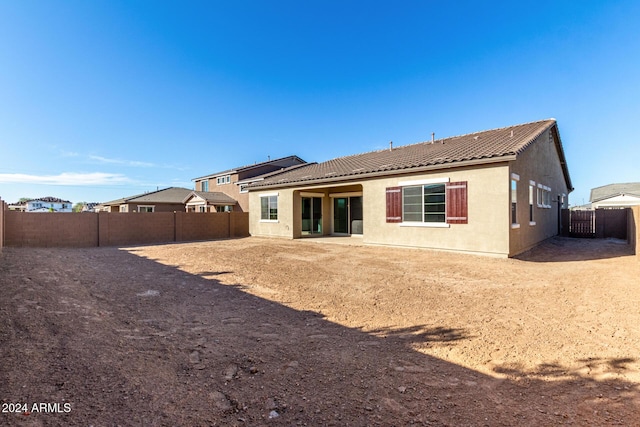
(496, 192)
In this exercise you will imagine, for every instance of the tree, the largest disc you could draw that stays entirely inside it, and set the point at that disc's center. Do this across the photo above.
(78, 206)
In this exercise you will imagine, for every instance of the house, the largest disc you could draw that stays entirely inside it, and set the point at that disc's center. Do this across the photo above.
(209, 201)
(233, 182)
(166, 200)
(89, 207)
(497, 192)
(616, 195)
(48, 204)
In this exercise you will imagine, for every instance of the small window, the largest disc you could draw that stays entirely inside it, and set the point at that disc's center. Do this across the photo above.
(532, 195)
(205, 185)
(514, 202)
(145, 208)
(223, 179)
(269, 208)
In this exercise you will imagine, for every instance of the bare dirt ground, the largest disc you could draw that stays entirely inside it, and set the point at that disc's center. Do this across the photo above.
(254, 332)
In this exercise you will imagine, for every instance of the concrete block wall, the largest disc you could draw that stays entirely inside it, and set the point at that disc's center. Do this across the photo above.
(201, 226)
(239, 224)
(634, 230)
(3, 208)
(50, 229)
(23, 229)
(121, 229)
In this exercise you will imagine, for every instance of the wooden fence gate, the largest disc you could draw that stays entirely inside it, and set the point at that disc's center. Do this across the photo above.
(583, 224)
(599, 223)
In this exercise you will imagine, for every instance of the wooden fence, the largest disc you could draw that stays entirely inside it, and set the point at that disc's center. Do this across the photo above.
(599, 223)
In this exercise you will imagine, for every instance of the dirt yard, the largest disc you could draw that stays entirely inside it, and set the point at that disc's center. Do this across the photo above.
(256, 332)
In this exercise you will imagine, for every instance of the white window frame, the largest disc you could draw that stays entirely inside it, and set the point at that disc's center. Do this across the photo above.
(515, 178)
(153, 208)
(269, 196)
(422, 183)
(221, 180)
(532, 196)
(544, 196)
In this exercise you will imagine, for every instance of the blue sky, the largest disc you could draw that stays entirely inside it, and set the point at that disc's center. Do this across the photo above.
(104, 99)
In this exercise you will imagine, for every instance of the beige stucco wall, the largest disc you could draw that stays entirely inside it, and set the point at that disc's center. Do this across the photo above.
(486, 231)
(284, 226)
(538, 163)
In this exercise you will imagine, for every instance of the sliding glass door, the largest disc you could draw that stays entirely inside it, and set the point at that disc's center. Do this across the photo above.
(311, 215)
(347, 215)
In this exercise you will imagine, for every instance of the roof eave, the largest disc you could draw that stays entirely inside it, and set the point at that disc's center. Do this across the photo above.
(395, 172)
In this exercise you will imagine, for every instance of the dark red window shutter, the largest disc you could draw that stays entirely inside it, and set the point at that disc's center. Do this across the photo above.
(456, 193)
(394, 204)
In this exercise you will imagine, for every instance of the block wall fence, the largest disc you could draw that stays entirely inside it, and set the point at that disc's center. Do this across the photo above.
(634, 230)
(3, 209)
(23, 229)
(51, 229)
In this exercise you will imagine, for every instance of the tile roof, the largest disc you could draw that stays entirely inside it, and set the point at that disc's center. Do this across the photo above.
(49, 199)
(611, 190)
(166, 195)
(283, 161)
(216, 197)
(479, 147)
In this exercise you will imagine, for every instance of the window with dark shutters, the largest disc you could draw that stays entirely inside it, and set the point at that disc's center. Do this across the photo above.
(394, 204)
(456, 193)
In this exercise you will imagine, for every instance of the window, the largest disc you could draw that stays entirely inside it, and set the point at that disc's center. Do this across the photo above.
(532, 196)
(223, 208)
(514, 200)
(269, 207)
(428, 203)
(204, 185)
(544, 196)
(145, 208)
(223, 179)
(424, 203)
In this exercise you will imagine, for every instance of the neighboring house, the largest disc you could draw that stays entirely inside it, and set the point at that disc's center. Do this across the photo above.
(207, 201)
(48, 204)
(20, 206)
(497, 192)
(616, 196)
(90, 207)
(166, 200)
(233, 182)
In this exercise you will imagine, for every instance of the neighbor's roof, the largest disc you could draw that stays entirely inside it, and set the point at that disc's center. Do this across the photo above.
(475, 148)
(49, 199)
(283, 161)
(167, 195)
(215, 197)
(612, 190)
